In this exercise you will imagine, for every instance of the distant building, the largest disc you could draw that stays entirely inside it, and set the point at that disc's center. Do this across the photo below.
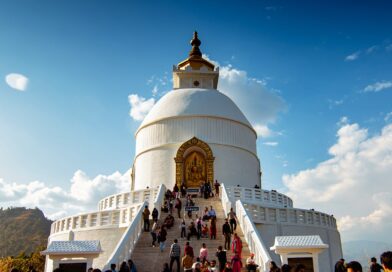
(196, 134)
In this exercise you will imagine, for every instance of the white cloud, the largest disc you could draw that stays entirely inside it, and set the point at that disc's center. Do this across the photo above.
(271, 143)
(17, 81)
(155, 90)
(335, 103)
(140, 106)
(353, 56)
(354, 184)
(263, 131)
(389, 47)
(260, 104)
(388, 116)
(85, 189)
(378, 86)
(343, 121)
(82, 195)
(371, 49)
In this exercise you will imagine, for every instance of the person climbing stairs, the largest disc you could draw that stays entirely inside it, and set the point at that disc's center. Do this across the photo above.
(148, 258)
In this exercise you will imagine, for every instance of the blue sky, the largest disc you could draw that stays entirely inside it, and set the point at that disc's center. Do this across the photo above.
(83, 58)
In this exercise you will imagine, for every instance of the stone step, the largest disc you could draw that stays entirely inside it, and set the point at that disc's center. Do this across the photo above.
(148, 258)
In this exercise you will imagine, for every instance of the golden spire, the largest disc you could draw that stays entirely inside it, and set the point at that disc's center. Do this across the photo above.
(195, 71)
(195, 42)
(195, 59)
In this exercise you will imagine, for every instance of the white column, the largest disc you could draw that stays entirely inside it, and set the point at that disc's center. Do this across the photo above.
(56, 263)
(315, 262)
(283, 258)
(123, 199)
(131, 197)
(98, 219)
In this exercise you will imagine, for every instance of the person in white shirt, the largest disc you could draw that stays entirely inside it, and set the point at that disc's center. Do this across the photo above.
(197, 263)
(250, 263)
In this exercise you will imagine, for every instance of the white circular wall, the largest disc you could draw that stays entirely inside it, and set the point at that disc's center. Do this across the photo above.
(233, 145)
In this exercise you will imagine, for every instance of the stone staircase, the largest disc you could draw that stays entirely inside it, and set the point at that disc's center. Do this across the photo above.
(148, 258)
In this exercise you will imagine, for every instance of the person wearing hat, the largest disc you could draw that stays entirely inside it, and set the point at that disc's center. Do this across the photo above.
(251, 264)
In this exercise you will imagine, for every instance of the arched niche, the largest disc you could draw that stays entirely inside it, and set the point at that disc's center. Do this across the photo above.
(196, 152)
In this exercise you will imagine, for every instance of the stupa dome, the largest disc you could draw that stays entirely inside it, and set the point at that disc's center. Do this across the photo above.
(195, 102)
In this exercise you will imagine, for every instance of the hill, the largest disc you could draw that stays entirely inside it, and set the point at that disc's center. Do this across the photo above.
(22, 230)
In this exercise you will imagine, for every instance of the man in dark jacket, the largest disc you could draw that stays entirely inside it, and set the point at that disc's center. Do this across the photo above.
(146, 218)
(226, 230)
(222, 258)
(374, 266)
(339, 266)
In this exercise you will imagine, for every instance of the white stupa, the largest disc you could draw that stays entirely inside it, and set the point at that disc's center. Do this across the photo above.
(195, 134)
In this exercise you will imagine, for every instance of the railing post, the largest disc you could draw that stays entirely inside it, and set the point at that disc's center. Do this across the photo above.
(131, 197)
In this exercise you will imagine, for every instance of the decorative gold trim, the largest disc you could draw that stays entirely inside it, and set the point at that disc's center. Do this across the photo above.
(210, 144)
(179, 159)
(196, 63)
(197, 115)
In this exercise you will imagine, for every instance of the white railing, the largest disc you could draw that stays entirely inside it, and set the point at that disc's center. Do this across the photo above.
(265, 197)
(128, 241)
(159, 197)
(291, 216)
(272, 207)
(117, 201)
(226, 203)
(252, 237)
(110, 216)
(100, 219)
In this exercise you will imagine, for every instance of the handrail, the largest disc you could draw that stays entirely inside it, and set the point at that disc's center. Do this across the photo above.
(99, 219)
(120, 200)
(291, 216)
(252, 237)
(160, 196)
(274, 207)
(255, 195)
(226, 203)
(128, 241)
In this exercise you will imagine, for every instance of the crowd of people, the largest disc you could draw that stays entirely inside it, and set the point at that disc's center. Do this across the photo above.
(205, 226)
(206, 261)
(354, 266)
(191, 263)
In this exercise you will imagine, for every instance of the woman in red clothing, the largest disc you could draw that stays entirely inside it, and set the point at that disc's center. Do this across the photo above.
(236, 263)
(236, 245)
(213, 228)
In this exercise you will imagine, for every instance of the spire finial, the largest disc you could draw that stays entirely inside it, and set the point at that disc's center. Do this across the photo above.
(195, 42)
